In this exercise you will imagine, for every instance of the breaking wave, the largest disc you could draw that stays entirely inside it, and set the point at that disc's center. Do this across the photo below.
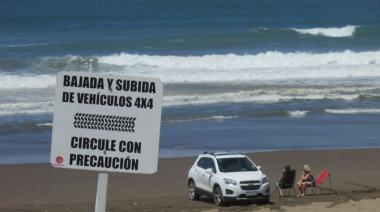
(336, 32)
(26, 108)
(207, 118)
(354, 111)
(298, 113)
(263, 66)
(274, 95)
(268, 66)
(26, 81)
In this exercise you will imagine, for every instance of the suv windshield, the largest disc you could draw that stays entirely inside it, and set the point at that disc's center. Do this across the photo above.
(235, 165)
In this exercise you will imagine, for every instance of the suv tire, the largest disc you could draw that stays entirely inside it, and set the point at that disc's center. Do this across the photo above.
(264, 200)
(218, 196)
(192, 190)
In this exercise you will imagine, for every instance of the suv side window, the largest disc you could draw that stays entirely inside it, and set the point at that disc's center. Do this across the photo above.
(210, 164)
(202, 163)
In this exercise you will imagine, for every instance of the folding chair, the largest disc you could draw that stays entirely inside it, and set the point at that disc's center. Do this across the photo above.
(287, 182)
(322, 177)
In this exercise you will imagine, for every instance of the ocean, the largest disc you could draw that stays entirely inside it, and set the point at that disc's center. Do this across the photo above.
(243, 75)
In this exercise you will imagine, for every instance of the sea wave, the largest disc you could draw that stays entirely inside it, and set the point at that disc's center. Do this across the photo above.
(244, 96)
(263, 66)
(26, 108)
(26, 81)
(298, 113)
(270, 59)
(268, 66)
(260, 95)
(275, 95)
(336, 32)
(354, 111)
(206, 118)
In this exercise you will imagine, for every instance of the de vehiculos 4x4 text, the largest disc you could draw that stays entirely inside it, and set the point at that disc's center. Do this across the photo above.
(227, 177)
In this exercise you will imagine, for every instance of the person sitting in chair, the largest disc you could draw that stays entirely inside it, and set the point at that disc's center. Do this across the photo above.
(287, 181)
(281, 180)
(306, 180)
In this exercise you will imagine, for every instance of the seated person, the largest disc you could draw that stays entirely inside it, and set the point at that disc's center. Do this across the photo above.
(281, 180)
(306, 180)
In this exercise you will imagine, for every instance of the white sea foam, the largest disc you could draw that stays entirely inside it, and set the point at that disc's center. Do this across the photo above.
(346, 31)
(215, 118)
(354, 111)
(297, 113)
(26, 108)
(26, 81)
(49, 124)
(263, 66)
(270, 59)
(226, 68)
(266, 96)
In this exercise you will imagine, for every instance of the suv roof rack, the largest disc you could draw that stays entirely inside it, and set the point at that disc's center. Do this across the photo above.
(222, 153)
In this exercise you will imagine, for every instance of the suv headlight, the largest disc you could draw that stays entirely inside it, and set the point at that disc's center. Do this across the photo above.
(229, 181)
(264, 180)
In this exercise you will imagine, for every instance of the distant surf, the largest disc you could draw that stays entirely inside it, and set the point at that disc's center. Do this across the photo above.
(271, 65)
(298, 113)
(336, 32)
(354, 111)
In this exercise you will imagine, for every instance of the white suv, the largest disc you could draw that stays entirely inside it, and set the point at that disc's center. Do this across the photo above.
(226, 177)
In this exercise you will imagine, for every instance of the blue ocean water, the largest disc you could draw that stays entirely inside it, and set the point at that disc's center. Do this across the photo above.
(239, 75)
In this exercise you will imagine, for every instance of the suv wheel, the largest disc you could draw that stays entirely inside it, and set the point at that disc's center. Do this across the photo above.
(218, 196)
(192, 190)
(264, 200)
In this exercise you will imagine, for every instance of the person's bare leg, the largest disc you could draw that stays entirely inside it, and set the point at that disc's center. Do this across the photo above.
(303, 189)
(299, 185)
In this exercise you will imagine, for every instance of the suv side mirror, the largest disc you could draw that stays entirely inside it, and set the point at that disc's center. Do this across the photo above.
(258, 167)
(209, 171)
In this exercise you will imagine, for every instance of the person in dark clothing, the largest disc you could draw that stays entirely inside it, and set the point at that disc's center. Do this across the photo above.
(286, 169)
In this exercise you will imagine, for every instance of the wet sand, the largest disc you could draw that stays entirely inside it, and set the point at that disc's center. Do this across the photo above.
(39, 187)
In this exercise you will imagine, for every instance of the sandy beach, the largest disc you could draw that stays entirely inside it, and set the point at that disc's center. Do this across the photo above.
(39, 187)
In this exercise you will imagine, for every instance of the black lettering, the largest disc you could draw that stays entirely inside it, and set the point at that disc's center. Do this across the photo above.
(85, 162)
(68, 97)
(152, 88)
(80, 160)
(100, 162)
(150, 103)
(109, 82)
(135, 164)
(73, 157)
(93, 161)
(66, 80)
(74, 142)
(80, 97)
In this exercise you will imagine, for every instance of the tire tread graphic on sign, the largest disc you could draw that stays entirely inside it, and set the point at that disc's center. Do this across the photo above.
(104, 122)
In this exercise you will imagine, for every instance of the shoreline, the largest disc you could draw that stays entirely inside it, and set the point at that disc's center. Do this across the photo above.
(40, 187)
(194, 153)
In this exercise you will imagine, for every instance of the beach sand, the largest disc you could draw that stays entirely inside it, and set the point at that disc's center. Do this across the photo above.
(39, 187)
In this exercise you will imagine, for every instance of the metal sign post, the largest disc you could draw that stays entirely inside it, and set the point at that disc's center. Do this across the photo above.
(101, 193)
(101, 190)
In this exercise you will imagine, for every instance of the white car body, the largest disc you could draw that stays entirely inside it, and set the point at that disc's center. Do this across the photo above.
(236, 185)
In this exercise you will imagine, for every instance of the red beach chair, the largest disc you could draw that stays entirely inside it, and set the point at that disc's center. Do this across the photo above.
(321, 179)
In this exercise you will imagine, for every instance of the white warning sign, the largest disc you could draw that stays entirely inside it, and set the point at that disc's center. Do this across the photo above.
(106, 123)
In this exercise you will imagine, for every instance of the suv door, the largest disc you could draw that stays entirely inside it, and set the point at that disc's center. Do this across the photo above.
(199, 172)
(206, 179)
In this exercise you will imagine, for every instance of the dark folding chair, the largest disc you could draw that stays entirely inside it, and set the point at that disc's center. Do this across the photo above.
(287, 182)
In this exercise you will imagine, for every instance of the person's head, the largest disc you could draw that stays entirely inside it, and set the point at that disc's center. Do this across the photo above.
(306, 168)
(287, 167)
